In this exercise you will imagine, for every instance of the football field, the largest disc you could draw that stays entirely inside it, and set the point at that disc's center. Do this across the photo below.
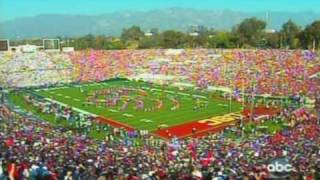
(141, 105)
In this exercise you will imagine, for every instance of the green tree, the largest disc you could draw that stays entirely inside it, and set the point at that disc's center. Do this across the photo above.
(133, 33)
(250, 31)
(85, 42)
(114, 43)
(100, 42)
(290, 32)
(221, 40)
(173, 39)
(273, 40)
(149, 42)
(310, 37)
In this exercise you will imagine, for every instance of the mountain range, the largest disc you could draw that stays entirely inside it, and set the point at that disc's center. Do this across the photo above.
(53, 25)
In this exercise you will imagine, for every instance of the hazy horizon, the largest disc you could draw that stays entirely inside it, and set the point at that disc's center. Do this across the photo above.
(13, 9)
(131, 10)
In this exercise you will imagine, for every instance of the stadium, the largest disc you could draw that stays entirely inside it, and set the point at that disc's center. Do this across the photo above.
(158, 105)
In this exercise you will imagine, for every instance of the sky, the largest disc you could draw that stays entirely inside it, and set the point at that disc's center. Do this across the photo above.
(11, 9)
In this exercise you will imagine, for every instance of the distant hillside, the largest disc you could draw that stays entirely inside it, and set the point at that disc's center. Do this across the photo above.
(112, 24)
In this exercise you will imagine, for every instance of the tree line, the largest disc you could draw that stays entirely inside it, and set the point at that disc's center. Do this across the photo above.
(250, 33)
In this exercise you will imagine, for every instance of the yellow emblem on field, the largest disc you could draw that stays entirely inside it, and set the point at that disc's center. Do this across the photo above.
(217, 120)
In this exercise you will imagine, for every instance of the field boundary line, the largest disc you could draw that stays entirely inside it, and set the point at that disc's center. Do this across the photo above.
(74, 108)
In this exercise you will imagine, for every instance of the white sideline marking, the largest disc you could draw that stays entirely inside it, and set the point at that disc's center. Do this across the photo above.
(74, 108)
(55, 88)
(128, 115)
(113, 110)
(146, 120)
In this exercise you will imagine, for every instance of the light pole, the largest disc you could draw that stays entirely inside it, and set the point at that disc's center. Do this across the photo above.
(193, 36)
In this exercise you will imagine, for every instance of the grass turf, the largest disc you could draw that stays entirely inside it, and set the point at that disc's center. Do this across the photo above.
(17, 99)
(72, 96)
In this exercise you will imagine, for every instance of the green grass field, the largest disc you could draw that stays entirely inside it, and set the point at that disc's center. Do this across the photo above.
(72, 96)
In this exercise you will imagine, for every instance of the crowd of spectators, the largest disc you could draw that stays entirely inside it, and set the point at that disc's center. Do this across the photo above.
(34, 149)
(34, 69)
(275, 72)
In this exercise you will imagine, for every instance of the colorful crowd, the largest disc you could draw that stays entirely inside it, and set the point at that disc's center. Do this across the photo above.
(33, 149)
(275, 72)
